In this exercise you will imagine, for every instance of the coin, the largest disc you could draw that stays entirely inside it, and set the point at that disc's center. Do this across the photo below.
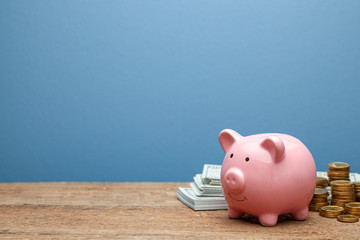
(321, 182)
(317, 206)
(338, 173)
(343, 200)
(341, 184)
(342, 192)
(320, 193)
(319, 200)
(338, 204)
(328, 215)
(343, 195)
(339, 166)
(348, 218)
(331, 208)
(331, 211)
(350, 208)
(354, 205)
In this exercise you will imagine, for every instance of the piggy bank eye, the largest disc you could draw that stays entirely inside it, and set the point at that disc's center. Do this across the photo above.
(247, 159)
(231, 155)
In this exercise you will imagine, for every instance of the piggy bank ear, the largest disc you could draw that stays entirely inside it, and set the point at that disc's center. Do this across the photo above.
(227, 138)
(275, 146)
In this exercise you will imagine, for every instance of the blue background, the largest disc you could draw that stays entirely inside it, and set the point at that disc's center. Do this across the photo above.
(139, 90)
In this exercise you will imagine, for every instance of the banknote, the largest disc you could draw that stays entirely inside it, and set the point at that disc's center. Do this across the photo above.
(211, 174)
(187, 196)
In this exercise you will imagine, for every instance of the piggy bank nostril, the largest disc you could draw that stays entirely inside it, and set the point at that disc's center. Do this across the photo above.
(231, 180)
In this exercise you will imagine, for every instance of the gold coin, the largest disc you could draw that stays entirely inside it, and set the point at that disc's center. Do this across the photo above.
(333, 179)
(342, 194)
(319, 200)
(348, 218)
(324, 214)
(340, 178)
(317, 206)
(345, 177)
(348, 196)
(339, 165)
(329, 215)
(353, 205)
(320, 192)
(338, 174)
(321, 204)
(353, 213)
(341, 201)
(338, 204)
(342, 190)
(332, 208)
(341, 183)
(331, 211)
(351, 210)
(338, 171)
(321, 181)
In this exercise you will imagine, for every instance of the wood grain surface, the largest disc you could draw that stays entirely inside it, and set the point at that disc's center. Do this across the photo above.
(67, 210)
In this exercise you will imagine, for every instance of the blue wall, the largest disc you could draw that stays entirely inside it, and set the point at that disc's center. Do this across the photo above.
(139, 90)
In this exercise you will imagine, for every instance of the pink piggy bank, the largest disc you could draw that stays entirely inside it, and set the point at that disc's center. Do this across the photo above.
(266, 175)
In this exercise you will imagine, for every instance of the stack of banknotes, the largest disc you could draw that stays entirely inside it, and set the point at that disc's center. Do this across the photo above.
(205, 192)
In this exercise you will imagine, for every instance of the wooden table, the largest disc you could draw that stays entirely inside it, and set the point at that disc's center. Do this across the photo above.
(67, 210)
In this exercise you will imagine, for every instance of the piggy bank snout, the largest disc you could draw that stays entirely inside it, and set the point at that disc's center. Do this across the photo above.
(234, 180)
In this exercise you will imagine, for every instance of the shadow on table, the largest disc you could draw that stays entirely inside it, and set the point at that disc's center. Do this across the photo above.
(255, 220)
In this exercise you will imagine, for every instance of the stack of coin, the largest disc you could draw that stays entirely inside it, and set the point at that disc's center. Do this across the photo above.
(331, 211)
(342, 192)
(319, 199)
(357, 191)
(321, 182)
(338, 171)
(348, 218)
(353, 208)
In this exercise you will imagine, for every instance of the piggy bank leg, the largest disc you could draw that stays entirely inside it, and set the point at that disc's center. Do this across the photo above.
(268, 219)
(235, 213)
(301, 214)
